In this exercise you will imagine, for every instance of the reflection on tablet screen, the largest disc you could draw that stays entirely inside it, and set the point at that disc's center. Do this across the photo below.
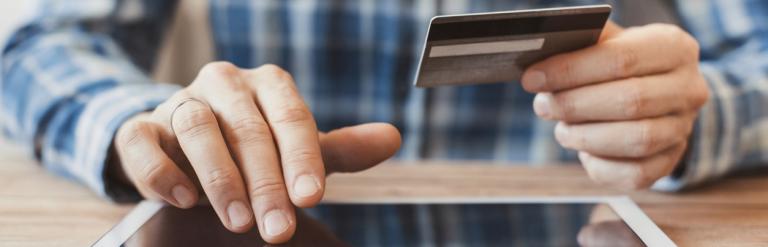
(561, 224)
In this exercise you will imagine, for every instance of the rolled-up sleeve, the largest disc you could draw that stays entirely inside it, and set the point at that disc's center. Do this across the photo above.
(731, 132)
(67, 85)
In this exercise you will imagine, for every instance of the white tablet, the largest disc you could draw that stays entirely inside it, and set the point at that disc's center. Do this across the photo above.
(514, 221)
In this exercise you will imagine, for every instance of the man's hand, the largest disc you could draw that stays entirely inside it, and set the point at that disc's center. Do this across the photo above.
(249, 139)
(627, 104)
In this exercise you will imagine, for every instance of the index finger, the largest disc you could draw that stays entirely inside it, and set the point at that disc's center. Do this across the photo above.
(637, 51)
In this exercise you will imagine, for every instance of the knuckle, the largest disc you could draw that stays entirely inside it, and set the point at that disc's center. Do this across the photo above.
(222, 75)
(566, 73)
(220, 179)
(131, 133)
(581, 140)
(292, 115)
(219, 70)
(152, 174)
(285, 88)
(282, 86)
(193, 122)
(301, 157)
(645, 140)
(677, 37)
(274, 71)
(266, 186)
(633, 102)
(563, 108)
(625, 62)
(250, 130)
(668, 30)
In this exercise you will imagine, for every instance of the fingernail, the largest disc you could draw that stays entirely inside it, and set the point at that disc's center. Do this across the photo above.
(239, 215)
(306, 186)
(584, 157)
(561, 130)
(561, 134)
(542, 106)
(534, 79)
(275, 222)
(183, 196)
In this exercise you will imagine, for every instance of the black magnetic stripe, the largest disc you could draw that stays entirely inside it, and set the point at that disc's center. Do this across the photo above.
(516, 26)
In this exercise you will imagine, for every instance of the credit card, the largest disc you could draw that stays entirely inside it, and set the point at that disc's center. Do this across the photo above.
(498, 46)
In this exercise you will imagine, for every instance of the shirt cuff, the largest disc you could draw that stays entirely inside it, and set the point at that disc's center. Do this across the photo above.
(99, 122)
(698, 163)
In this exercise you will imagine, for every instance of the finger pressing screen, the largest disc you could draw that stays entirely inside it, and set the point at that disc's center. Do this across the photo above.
(249, 138)
(201, 140)
(294, 130)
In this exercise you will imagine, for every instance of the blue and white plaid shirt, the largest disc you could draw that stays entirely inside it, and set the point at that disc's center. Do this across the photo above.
(74, 74)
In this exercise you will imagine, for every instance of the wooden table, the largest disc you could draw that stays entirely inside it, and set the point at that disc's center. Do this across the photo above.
(40, 209)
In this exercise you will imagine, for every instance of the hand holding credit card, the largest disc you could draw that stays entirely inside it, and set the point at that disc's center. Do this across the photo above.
(498, 46)
(626, 99)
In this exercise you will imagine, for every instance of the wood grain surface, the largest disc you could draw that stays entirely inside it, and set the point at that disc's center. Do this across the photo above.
(38, 208)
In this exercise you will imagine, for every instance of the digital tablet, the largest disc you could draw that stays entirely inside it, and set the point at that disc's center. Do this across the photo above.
(529, 221)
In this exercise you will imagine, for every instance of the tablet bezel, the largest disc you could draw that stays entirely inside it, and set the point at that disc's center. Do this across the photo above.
(623, 206)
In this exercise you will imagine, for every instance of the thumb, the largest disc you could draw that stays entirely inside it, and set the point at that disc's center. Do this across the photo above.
(358, 147)
(610, 30)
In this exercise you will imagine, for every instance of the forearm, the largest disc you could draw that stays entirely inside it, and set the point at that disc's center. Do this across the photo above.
(70, 79)
(65, 92)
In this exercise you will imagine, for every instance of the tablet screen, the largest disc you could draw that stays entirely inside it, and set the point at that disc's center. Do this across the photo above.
(524, 224)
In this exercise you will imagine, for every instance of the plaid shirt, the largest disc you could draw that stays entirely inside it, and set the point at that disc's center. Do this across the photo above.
(71, 76)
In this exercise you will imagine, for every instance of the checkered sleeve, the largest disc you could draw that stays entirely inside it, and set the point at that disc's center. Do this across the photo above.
(730, 133)
(68, 84)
